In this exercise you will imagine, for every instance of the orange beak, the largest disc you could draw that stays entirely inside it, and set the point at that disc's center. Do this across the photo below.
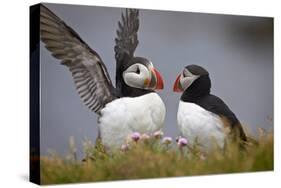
(159, 82)
(177, 86)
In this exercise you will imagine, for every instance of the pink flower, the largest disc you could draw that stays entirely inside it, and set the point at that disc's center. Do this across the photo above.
(203, 157)
(135, 136)
(167, 140)
(144, 137)
(124, 147)
(158, 134)
(182, 142)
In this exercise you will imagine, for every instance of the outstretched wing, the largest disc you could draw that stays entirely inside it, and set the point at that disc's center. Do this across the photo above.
(89, 73)
(126, 40)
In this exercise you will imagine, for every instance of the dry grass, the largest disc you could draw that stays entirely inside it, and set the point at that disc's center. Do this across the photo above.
(151, 159)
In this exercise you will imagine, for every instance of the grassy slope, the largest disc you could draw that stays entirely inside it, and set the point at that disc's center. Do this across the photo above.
(153, 160)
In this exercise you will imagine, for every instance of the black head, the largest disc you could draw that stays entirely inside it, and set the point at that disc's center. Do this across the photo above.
(194, 81)
(197, 70)
(138, 60)
(140, 77)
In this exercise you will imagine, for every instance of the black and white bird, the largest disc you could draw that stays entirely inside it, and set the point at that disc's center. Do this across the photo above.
(133, 104)
(202, 117)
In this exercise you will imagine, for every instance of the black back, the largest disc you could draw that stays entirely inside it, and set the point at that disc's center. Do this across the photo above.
(198, 89)
(199, 93)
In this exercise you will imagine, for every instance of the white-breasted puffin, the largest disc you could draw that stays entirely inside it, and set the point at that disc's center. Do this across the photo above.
(202, 117)
(133, 105)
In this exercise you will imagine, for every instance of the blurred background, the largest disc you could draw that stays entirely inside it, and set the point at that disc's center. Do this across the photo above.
(236, 50)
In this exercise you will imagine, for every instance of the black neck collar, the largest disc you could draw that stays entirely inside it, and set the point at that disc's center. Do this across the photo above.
(198, 89)
(126, 91)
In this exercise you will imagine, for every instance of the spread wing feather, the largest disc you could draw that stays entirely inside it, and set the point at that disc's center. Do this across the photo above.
(126, 42)
(127, 39)
(90, 76)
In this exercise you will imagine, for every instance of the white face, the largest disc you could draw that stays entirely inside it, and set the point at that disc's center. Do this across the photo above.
(137, 76)
(187, 78)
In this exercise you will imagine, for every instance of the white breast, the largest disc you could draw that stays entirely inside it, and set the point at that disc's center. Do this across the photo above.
(196, 123)
(121, 117)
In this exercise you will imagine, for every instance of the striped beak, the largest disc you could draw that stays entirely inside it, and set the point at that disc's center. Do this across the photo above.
(177, 85)
(156, 82)
(159, 79)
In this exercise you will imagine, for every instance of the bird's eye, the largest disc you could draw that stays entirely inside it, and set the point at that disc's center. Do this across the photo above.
(138, 70)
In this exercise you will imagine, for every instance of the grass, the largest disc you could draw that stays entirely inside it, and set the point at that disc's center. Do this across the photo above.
(152, 159)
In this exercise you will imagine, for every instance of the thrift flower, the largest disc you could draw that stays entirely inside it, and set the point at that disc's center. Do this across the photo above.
(182, 142)
(124, 147)
(203, 157)
(167, 140)
(145, 137)
(158, 134)
(135, 136)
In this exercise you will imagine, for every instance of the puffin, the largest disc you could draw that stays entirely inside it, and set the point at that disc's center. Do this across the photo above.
(202, 117)
(131, 106)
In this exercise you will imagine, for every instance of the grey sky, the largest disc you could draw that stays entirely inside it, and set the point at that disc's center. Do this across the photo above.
(236, 50)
